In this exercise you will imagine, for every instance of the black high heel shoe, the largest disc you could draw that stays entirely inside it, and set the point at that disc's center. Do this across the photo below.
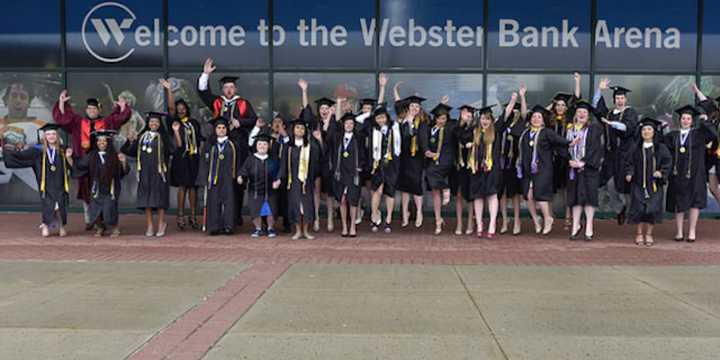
(574, 236)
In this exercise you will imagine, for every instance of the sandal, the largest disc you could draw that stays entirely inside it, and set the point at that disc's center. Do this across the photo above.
(649, 241)
(192, 222)
(639, 239)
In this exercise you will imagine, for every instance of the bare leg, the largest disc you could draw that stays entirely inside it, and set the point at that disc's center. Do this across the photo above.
(479, 205)
(492, 201)
(589, 221)
(470, 219)
(149, 222)
(694, 215)
(418, 210)
(192, 194)
(257, 221)
(405, 207)
(316, 194)
(679, 220)
(389, 206)
(180, 202)
(343, 215)
(458, 214)
(547, 217)
(330, 201)
(504, 214)
(649, 240)
(437, 207)
(375, 213)
(516, 214)
(353, 216)
(533, 211)
(298, 232)
(715, 186)
(162, 225)
(576, 213)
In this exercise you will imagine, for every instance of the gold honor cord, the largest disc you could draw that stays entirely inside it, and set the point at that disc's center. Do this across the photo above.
(413, 139)
(304, 159)
(190, 148)
(436, 158)
(680, 149)
(43, 173)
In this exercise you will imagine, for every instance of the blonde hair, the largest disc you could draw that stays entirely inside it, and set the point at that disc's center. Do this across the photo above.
(489, 137)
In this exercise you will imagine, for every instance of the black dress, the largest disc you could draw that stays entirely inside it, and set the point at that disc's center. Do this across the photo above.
(688, 179)
(646, 191)
(324, 163)
(260, 175)
(485, 180)
(412, 158)
(560, 166)
(618, 144)
(442, 142)
(383, 169)
(510, 183)
(105, 173)
(583, 184)
(540, 146)
(347, 158)
(52, 174)
(184, 166)
(300, 193)
(221, 161)
(152, 151)
(460, 178)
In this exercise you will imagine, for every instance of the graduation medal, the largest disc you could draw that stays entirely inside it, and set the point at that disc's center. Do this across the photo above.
(346, 154)
(149, 150)
(144, 148)
(221, 156)
(52, 168)
(682, 150)
(432, 140)
(532, 143)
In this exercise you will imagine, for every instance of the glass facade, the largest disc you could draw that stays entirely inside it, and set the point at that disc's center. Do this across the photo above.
(474, 51)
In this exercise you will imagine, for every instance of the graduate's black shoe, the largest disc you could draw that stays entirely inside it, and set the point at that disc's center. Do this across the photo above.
(690, 240)
(89, 227)
(215, 232)
(256, 233)
(678, 239)
(271, 233)
(621, 216)
(589, 237)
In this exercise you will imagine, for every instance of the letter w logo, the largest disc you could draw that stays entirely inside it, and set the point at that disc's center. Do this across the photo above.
(112, 29)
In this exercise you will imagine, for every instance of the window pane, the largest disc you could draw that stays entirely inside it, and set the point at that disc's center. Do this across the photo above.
(628, 37)
(332, 33)
(27, 100)
(541, 88)
(711, 36)
(431, 34)
(197, 32)
(126, 34)
(519, 38)
(30, 33)
(653, 96)
(460, 88)
(288, 97)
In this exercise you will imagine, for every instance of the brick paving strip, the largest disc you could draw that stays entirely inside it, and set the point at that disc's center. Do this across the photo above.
(194, 333)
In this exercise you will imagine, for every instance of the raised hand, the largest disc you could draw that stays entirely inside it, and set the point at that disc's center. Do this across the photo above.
(121, 102)
(577, 76)
(68, 153)
(63, 98)
(604, 83)
(382, 79)
(514, 97)
(303, 84)
(165, 83)
(176, 126)
(445, 99)
(209, 66)
(523, 90)
(317, 134)
(122, 158)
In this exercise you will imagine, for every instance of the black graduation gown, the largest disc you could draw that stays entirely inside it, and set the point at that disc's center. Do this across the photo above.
(346, 164)
(259, 175)
(712, 155)
(384, 171)
(55, 194)
(460, 179)
(442, 141)
(646, 202)
(618, 144)
(486, 181)
(583, 184)
(510, 183)
(104, 190)
(548, 141)
(560, 165)
(220, 179)
(412, 164)
(153, 188)
(278, 151)
(300, 195)
(688, 179)
(184, 167)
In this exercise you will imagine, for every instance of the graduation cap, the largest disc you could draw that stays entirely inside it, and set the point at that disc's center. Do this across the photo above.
(262, 137)
(583, 104)
(93, 102)
(655, 124)
(542, 110)
(414, 99)
(441, 109)
(324, 101)
(487, 109)
(561, 96)
(469, 108)
(707, 106)
(368, 101)
(687, 109)
(154, 115)
(347, 116)
(104, 133)
(228, 79)
(380, 110)
(220, 121)
(619, 90)
(50, 127)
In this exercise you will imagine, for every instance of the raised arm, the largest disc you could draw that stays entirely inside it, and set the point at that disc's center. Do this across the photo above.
(578, 85)
(170, 96)
(120, 115)
(203, 87)
(696, 90)
(382, 81)
(63, 113)
(602, 86)
(523, 101)
(338, 107)
(396, 91)
(303, 84)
